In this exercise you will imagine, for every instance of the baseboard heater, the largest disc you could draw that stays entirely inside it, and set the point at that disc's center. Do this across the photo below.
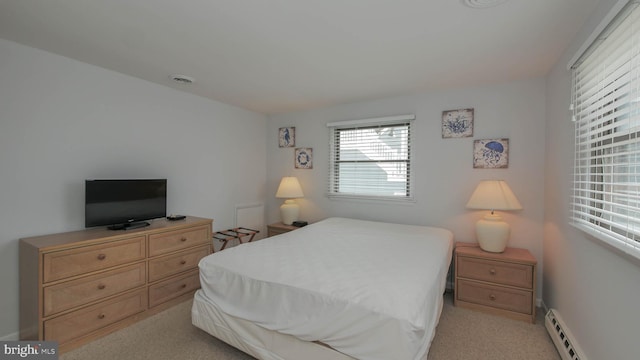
(564, 341)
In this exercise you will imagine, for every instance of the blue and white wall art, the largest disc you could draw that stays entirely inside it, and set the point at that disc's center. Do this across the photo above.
(457, 123)
(491, 154)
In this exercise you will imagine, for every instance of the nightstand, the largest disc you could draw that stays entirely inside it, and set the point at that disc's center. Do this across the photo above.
(279, 228)
(497, 283)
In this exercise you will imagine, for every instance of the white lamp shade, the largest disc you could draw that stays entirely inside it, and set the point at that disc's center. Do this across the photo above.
(289, 188)
(493, 195)
(493, 233)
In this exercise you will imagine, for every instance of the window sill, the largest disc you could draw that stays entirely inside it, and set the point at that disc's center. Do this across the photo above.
(372, 199)
(616, 246)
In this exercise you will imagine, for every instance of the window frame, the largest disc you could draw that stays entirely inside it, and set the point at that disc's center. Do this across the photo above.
(605, 201)
(333, 182)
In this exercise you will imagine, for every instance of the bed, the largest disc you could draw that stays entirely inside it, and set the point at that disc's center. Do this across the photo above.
(336, 289)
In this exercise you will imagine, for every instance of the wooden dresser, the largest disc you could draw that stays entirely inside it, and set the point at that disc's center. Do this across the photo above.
(498, 283)
(81, 285)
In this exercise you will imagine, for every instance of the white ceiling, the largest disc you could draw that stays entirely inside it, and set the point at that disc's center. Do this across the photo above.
(274, 56)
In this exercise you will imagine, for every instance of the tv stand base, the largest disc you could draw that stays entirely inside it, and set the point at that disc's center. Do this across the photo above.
(129, 226)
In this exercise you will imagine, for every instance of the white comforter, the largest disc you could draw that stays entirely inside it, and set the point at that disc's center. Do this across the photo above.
(368, 289)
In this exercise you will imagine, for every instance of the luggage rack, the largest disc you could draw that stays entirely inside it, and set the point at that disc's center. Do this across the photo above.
(235, 233)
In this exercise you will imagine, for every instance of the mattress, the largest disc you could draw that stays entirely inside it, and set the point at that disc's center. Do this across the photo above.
(367, 289)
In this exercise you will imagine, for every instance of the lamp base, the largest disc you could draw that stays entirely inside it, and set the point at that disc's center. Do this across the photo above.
(492, 233)
(289, 211)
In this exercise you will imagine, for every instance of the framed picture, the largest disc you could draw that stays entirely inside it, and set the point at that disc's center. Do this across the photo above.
(304, 158)
(491, 154)
(457, 123)
(287, 137)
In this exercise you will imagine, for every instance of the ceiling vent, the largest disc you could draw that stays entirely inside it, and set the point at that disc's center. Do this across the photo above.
(182, 79)
(482, 4)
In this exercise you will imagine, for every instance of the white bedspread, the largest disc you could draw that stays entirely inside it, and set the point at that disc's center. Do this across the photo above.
(368, 289)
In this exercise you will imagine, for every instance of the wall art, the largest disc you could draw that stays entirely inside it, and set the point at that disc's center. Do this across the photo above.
(491, 154)
(304, 158)
(287, 137)
(457, 123)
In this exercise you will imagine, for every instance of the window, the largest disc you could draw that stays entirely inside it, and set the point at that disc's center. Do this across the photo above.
(371, 159)
(606, 111)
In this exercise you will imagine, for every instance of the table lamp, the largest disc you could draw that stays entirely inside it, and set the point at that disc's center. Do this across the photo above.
(289, 189)
(492, 232)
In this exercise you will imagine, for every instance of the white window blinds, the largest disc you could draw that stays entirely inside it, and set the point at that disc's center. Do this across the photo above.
(606, 111)
(371, 158)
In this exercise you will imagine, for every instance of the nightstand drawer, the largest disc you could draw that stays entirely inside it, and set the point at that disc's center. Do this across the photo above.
(274, 232)
(494, 296)
(279, 228)
(500, 272)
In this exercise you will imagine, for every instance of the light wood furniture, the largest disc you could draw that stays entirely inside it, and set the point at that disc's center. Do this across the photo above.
(81, 285)
(497, 283)
(279, 228)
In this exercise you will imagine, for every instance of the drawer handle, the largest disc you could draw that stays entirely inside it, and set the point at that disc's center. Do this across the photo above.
(492, 297)
(102, 286)
(101, 316)
(492, 271)
(182, 262)
(183, 239)
(102, 256)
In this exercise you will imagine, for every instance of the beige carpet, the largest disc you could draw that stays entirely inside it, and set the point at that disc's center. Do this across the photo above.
(461, 334)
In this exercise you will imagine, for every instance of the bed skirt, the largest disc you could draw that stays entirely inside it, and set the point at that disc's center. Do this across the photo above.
(254, 340)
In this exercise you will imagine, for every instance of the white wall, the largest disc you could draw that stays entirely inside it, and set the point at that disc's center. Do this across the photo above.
(444, 174)
(62, 121)
(594, 288)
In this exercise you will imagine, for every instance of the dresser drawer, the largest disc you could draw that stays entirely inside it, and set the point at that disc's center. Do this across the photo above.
(63, 264)
(172, 264)
(84, 321)
(69, 294)
(173, 288)
(495, 271)
(176, 240)
(495, 296)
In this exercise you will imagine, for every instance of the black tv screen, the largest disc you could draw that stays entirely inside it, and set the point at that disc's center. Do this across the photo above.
(124, 203)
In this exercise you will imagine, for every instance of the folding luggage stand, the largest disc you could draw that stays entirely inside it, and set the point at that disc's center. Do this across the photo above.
(235, 233)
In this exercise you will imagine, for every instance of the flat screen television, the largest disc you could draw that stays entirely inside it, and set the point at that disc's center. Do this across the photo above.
(124, 203)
